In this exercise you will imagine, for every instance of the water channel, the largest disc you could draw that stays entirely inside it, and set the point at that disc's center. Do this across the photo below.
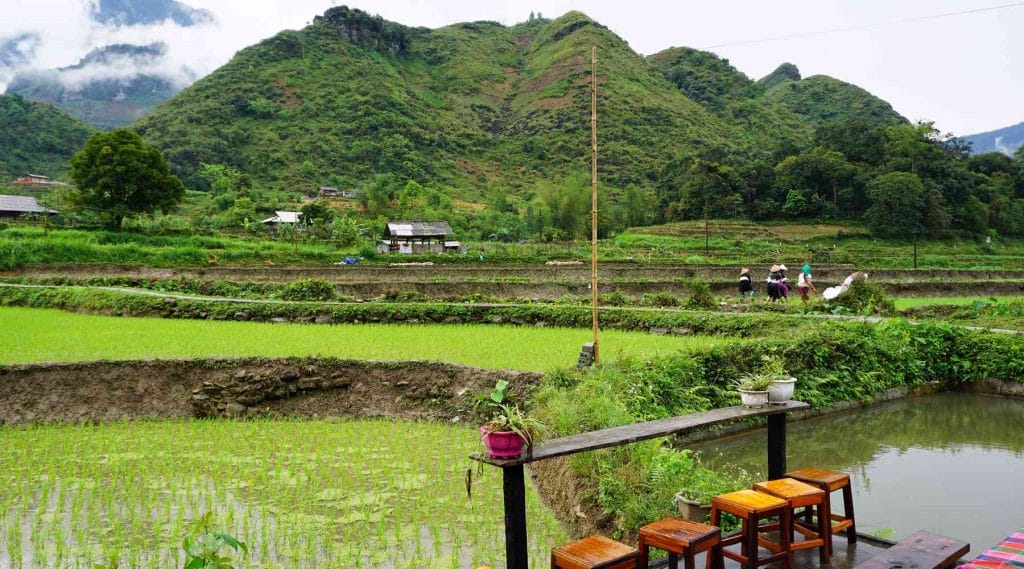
(951, 463)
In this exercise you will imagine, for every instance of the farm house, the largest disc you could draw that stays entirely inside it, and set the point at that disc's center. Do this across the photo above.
(417, 237)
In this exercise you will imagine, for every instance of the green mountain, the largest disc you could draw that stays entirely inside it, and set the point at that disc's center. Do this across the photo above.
(468, 105)
(37, 138)
(713, 82)
(821, 98)
(88, 90)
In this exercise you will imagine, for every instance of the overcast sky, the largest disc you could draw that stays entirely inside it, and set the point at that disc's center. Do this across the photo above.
(964, 72)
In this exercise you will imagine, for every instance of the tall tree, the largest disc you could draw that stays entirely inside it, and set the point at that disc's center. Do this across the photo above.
(897, 205)
(117, 174)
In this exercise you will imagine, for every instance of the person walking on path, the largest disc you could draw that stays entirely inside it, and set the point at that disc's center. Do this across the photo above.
(805, 283)
(746, 287)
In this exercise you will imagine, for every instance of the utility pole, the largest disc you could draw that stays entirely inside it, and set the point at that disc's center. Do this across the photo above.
(707, 241)
(593, 194)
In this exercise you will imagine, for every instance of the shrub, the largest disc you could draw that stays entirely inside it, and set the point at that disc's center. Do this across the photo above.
(660, 298)
(865, 298)
(309, 289)
(700, 295)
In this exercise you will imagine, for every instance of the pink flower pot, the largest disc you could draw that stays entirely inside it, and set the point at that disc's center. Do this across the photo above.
(503, 444)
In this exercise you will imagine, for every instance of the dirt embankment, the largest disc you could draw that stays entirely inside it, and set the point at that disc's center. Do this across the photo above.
(305, 387)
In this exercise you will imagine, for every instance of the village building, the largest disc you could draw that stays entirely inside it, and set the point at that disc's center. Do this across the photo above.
(329, 192)
(13, 207)
(417, 237)
(32, 179)
(283, 217)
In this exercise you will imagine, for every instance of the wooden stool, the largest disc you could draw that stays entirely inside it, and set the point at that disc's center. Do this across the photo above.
(801, 495)
(830, 481)
(751, 507)
(594, 552)
(681, 537)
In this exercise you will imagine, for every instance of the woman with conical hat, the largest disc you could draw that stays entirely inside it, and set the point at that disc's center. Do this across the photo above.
(774, 278)
(746, 287)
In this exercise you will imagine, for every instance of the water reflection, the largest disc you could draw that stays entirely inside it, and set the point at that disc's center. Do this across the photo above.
(949, 463)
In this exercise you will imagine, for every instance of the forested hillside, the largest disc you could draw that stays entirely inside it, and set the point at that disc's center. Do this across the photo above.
(37, 138)
(488, 126)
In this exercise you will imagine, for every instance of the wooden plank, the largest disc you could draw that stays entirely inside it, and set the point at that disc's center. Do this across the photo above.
(626, 434)
(923, 550)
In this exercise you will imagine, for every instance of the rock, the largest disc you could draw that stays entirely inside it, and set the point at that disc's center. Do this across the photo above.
(200, 397)
(682, 331)
(241, 316)
(242, 375)
(279, 320)
(452, 320)
(540, 324)
(324, 319)
(517, 321)
(456, 419)
(204, 315)
(658, 331)
(290, 375)
(171, 301)
(234, 410)
(402, 383)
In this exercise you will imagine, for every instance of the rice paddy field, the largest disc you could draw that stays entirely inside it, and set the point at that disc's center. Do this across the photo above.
(368, 493)
(35, 335)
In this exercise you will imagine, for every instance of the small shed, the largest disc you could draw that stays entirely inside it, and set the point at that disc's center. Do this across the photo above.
(13, 207)
(417, 237)
(328, 192)
(283, 217)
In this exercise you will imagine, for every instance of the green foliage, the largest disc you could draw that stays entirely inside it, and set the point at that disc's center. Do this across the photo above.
(118, 174)
(699, 295)
(897, 205)
(865, 298)
(203, 546)
(309, 289)
(37, 138)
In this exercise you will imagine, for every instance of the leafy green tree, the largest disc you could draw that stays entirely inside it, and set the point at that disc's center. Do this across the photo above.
(318, 214)
(855, 138)
(897, 205)
(972, 215)
(711, 188)
(823, 173)
(118, 174)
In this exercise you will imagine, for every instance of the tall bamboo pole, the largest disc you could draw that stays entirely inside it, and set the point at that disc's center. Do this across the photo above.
(593, 194)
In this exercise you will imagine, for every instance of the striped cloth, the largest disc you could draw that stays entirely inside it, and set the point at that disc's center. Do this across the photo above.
(1009, 554)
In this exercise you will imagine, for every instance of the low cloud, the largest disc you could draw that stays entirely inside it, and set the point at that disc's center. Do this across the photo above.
(58, 34)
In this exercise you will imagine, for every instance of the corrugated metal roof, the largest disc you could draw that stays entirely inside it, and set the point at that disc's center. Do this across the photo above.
(283, 217)
(419, 228)
(22, 204)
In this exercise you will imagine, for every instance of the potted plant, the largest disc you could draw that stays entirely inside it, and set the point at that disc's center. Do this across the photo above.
(693, 506)
(509, 431)
(781, 389)
(753, 389)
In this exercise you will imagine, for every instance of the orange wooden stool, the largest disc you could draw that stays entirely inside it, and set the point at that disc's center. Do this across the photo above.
(801, 495)
(681, 537)
(831, 481)
(594, 552)
(752, 507)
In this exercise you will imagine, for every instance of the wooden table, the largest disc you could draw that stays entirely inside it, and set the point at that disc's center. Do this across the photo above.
(923, 550)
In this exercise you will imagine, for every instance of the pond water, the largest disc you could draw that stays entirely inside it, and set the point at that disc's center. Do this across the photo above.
(950, 463)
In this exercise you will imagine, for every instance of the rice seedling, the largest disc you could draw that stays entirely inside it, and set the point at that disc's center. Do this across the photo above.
(368, 493)
(32, 335)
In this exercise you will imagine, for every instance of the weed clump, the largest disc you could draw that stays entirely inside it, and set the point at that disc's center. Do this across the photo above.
(309, 289)
(700, 295)
(865, 298)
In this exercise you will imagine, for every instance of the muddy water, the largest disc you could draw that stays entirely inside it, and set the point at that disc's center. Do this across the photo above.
(950, 463)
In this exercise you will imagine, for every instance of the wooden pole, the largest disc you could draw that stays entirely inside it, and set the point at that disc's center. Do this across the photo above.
(514, 493)
(593, 195)
(776, 446)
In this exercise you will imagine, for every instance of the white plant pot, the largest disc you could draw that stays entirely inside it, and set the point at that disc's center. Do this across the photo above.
(690, 510)
(753, 398)
(781, 390)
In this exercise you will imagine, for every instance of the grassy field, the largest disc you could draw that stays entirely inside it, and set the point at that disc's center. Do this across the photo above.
(33, 335)
(299, 493)
(912, 302)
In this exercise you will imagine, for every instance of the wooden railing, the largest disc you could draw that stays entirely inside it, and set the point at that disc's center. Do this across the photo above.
(513, 480)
